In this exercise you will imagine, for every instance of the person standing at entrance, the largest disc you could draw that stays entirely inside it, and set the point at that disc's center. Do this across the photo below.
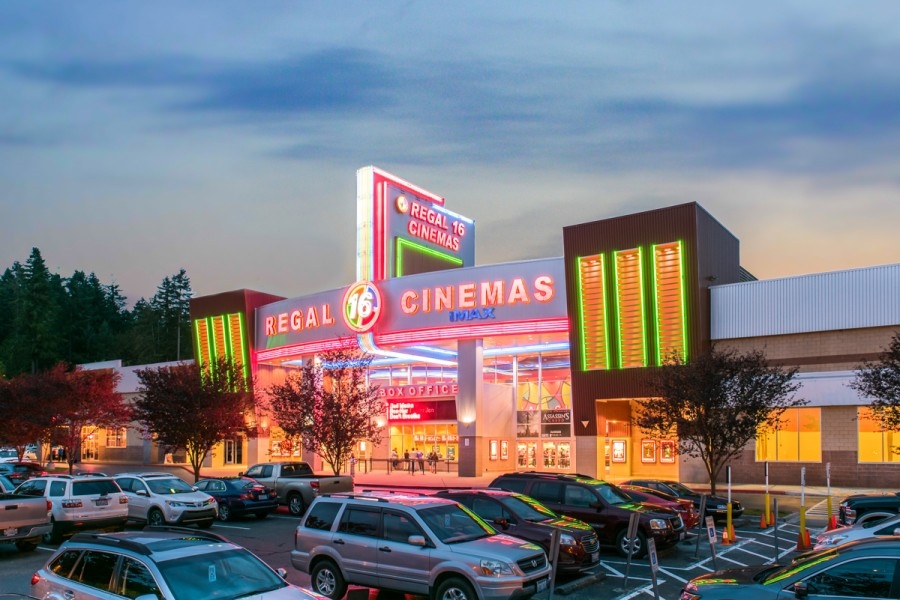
(352, 464)
(410, 465)
(420, 457)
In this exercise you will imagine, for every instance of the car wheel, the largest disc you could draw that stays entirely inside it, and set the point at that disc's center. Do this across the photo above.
(27, 545)
(224, 512)
(205, 524)
(262, 514)
(55, 535)
(638, 545)
(326, 579)
(455, 588)
(155, 518)
(295, 505)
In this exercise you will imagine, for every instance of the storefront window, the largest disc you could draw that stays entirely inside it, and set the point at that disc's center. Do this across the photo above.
(799, 438)
(875, 445)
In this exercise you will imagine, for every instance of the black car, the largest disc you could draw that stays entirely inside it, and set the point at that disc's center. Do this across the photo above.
(602, 505)
(528, 519)
(716, 506)
(239, 496)
(853, 507)
(864, 569)
(17, 472)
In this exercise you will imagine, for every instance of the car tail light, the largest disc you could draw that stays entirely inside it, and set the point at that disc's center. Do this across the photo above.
(314, 484)
(35, 578)
(49, 506)
(245, 496)
(72, 504)
(123, 499)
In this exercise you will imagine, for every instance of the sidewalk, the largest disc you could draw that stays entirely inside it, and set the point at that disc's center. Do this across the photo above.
(444, 480)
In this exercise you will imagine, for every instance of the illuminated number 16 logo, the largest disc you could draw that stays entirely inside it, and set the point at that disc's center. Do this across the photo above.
(362, 306)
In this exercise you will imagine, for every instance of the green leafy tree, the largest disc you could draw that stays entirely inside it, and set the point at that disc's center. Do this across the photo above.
(879, 383)
(194, 407)
(716, 404)
(330, 405)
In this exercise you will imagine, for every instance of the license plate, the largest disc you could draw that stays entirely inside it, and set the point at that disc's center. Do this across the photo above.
(595, 556)
(101, 501)
(541, 585)
(10, 531)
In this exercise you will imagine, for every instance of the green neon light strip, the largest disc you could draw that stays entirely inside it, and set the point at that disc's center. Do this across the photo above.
(398, 266)
(618, 310)
(210, 339)
(226, 331)
(683, 300)
(245, 360)
(643, 318)
(581, 323)
(199, 350)
(659, 351)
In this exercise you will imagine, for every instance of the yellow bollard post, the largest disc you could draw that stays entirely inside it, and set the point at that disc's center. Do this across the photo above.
(768, 510)
(728, 526)
(802, 536)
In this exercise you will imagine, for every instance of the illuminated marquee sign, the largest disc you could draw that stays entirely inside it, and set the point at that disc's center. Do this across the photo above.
(362, 306)
(434, 410)
(419, 391)
(302, 320)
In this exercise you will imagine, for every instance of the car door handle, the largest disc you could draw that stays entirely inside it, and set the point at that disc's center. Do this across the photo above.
(385, 548)
(69, 594)
(339, 541)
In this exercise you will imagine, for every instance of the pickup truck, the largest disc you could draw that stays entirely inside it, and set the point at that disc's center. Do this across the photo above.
(296, 484)
(24, 520)
(853, 507)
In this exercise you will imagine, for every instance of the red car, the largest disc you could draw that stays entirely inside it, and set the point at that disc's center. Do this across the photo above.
(683, 506)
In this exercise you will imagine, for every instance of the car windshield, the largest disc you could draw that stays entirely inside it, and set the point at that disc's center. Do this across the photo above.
(681, 489)
(453, 523)
(529, 508)
(805, 561)
(227, 575)
(612, 494)
(171, 485)
(9, 454)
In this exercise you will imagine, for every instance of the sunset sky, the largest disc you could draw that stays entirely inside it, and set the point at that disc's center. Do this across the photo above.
(139, 138)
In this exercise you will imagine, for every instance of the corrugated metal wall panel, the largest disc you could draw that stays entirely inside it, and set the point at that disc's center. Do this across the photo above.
(851, 299)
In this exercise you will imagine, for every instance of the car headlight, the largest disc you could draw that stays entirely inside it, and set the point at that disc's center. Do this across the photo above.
(659, 524)
(175, 504)
(495, 567)
(567, 540)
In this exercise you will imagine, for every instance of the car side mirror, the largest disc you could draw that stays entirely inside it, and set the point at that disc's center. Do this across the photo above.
(800, 589)
(195, 488)
(416, 540)
(142, 493)
(502, 523)
(282, 572)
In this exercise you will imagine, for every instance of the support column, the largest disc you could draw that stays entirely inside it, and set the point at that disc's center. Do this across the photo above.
(469, 406)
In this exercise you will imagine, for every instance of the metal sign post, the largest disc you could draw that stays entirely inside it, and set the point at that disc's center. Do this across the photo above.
(554, 558)
(631, 535)
(775, 539)
(700, 524)
(654, 565)
(711, 535)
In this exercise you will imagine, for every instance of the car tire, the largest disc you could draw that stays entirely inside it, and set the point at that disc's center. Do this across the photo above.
(55, 535)
(206, 524)
(295, 505)
(639, 545)
(27, 545)
(262, 514)
(326, 579)
(155, 518)
(224, 512)
(455, 588)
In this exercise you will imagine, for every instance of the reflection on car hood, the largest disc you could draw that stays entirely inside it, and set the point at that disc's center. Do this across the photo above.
(649, 509)
(289, 592)
(500, 546)
(568, 524)
(729, 577)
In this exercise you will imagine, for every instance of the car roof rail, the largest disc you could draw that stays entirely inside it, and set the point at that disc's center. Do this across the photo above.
(105, 539)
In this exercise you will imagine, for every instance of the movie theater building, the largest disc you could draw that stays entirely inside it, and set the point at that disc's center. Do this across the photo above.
(533, 364)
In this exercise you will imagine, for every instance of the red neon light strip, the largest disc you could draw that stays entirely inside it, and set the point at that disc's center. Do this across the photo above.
(300, 349)
(409, 187)
(445, 333)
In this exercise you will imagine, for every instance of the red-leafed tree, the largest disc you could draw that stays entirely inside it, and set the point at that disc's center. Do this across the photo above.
(195, 407)
(26, 403)
(330, 405)
(84, 402)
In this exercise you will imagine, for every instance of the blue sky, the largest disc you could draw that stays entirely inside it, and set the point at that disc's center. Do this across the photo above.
(139, 138)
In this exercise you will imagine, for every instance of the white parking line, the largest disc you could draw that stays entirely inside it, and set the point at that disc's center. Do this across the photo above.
(672, 575)
(231, 527)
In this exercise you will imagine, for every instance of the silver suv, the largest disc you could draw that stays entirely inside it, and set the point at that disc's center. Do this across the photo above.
(79, 503)
(413, 544)
(168, 563)
(161, 498)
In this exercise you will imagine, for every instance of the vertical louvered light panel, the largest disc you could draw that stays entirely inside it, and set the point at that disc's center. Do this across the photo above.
(592, 311)
(218, 327)
(668, 284)
(202, 331)
(238, 350)
(630, 305)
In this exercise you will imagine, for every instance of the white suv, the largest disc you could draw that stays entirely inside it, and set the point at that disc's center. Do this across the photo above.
(162, 498)
(79, 503)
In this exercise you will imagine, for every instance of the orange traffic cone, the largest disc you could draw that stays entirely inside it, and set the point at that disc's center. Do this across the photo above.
(726, 541)
(772, 519)
(832, 522)
(762, 521)
(731, 537)
(803, 540)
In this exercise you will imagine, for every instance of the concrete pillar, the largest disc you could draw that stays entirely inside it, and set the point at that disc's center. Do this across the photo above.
(470, 375)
